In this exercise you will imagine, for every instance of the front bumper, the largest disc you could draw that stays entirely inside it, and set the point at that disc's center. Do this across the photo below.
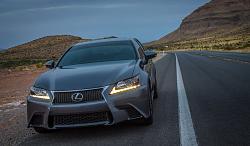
(112, 109)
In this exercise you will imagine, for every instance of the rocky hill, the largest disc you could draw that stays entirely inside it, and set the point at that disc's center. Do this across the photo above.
(42, 49)
(216, 19)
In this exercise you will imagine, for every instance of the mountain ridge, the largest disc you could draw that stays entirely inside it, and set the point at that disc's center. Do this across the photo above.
(42, 48)
(38, 50)
(215, 19)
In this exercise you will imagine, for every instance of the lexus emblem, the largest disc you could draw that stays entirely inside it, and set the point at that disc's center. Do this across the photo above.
(77, 97)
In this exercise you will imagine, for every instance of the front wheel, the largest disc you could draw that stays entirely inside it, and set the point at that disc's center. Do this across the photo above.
(41, 130)
(149, 120)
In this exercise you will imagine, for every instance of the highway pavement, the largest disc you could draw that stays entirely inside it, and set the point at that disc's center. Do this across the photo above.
(203, 100)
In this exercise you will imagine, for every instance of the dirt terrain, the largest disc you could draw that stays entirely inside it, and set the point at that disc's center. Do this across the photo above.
(14, 86)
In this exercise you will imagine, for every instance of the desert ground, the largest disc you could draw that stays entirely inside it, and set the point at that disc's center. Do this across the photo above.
(14, 87)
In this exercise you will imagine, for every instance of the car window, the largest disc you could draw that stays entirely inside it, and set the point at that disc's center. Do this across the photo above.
(141, 53)
(140, 49)
(140, 44)
(98, 53)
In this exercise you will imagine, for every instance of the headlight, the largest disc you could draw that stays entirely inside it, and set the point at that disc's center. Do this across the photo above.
(39, 93)
(126, 85)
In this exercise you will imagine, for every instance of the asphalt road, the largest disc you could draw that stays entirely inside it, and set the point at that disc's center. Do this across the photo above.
(214, 102)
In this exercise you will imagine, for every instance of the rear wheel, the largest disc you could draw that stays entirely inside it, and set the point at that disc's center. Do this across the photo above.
(155, 86)
(155, 90)
(41, 130)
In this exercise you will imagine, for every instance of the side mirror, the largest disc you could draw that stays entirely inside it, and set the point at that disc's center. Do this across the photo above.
(50, 64)
(150, 54)
(143, 62)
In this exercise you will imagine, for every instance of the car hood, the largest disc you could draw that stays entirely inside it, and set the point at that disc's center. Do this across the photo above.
(91, 75)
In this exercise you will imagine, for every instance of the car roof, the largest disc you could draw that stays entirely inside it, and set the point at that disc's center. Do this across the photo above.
(104, 41)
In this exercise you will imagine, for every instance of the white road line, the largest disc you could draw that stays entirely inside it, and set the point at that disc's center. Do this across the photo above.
(187, 133)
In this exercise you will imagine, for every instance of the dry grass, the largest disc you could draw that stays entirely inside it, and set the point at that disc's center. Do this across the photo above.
(240, 43)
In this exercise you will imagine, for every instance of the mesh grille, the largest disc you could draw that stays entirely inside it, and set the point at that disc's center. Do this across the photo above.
(132, 112)
(88, 96)
(81, 118)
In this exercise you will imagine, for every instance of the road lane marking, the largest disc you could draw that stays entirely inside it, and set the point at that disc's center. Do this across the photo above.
(187, 133)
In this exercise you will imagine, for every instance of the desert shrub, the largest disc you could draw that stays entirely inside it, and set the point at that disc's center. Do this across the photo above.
(20, 68)
(16, 63)
(39, 65)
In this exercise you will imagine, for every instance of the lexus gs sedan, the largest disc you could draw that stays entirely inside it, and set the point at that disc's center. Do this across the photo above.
(100, 82)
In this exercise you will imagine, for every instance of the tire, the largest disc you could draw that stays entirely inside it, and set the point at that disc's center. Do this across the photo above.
(155, 90)
(149, 120)
(41, 130)
(155, 86)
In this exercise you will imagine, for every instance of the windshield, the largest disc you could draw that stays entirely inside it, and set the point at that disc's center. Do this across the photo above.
(98, 53)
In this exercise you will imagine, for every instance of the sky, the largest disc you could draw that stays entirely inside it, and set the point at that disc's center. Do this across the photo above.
(25, 20)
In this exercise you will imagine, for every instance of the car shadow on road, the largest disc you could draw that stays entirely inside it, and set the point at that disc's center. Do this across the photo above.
(94, 135)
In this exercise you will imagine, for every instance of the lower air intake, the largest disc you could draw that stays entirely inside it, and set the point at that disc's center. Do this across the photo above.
(76, 119)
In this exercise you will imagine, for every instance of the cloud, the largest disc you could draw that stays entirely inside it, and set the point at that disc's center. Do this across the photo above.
(25, 20)
(28, 6)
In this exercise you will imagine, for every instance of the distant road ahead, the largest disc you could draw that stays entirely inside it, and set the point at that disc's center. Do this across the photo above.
(213, 96)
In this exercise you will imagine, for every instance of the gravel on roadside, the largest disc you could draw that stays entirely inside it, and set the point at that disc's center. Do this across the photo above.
(13, 126)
